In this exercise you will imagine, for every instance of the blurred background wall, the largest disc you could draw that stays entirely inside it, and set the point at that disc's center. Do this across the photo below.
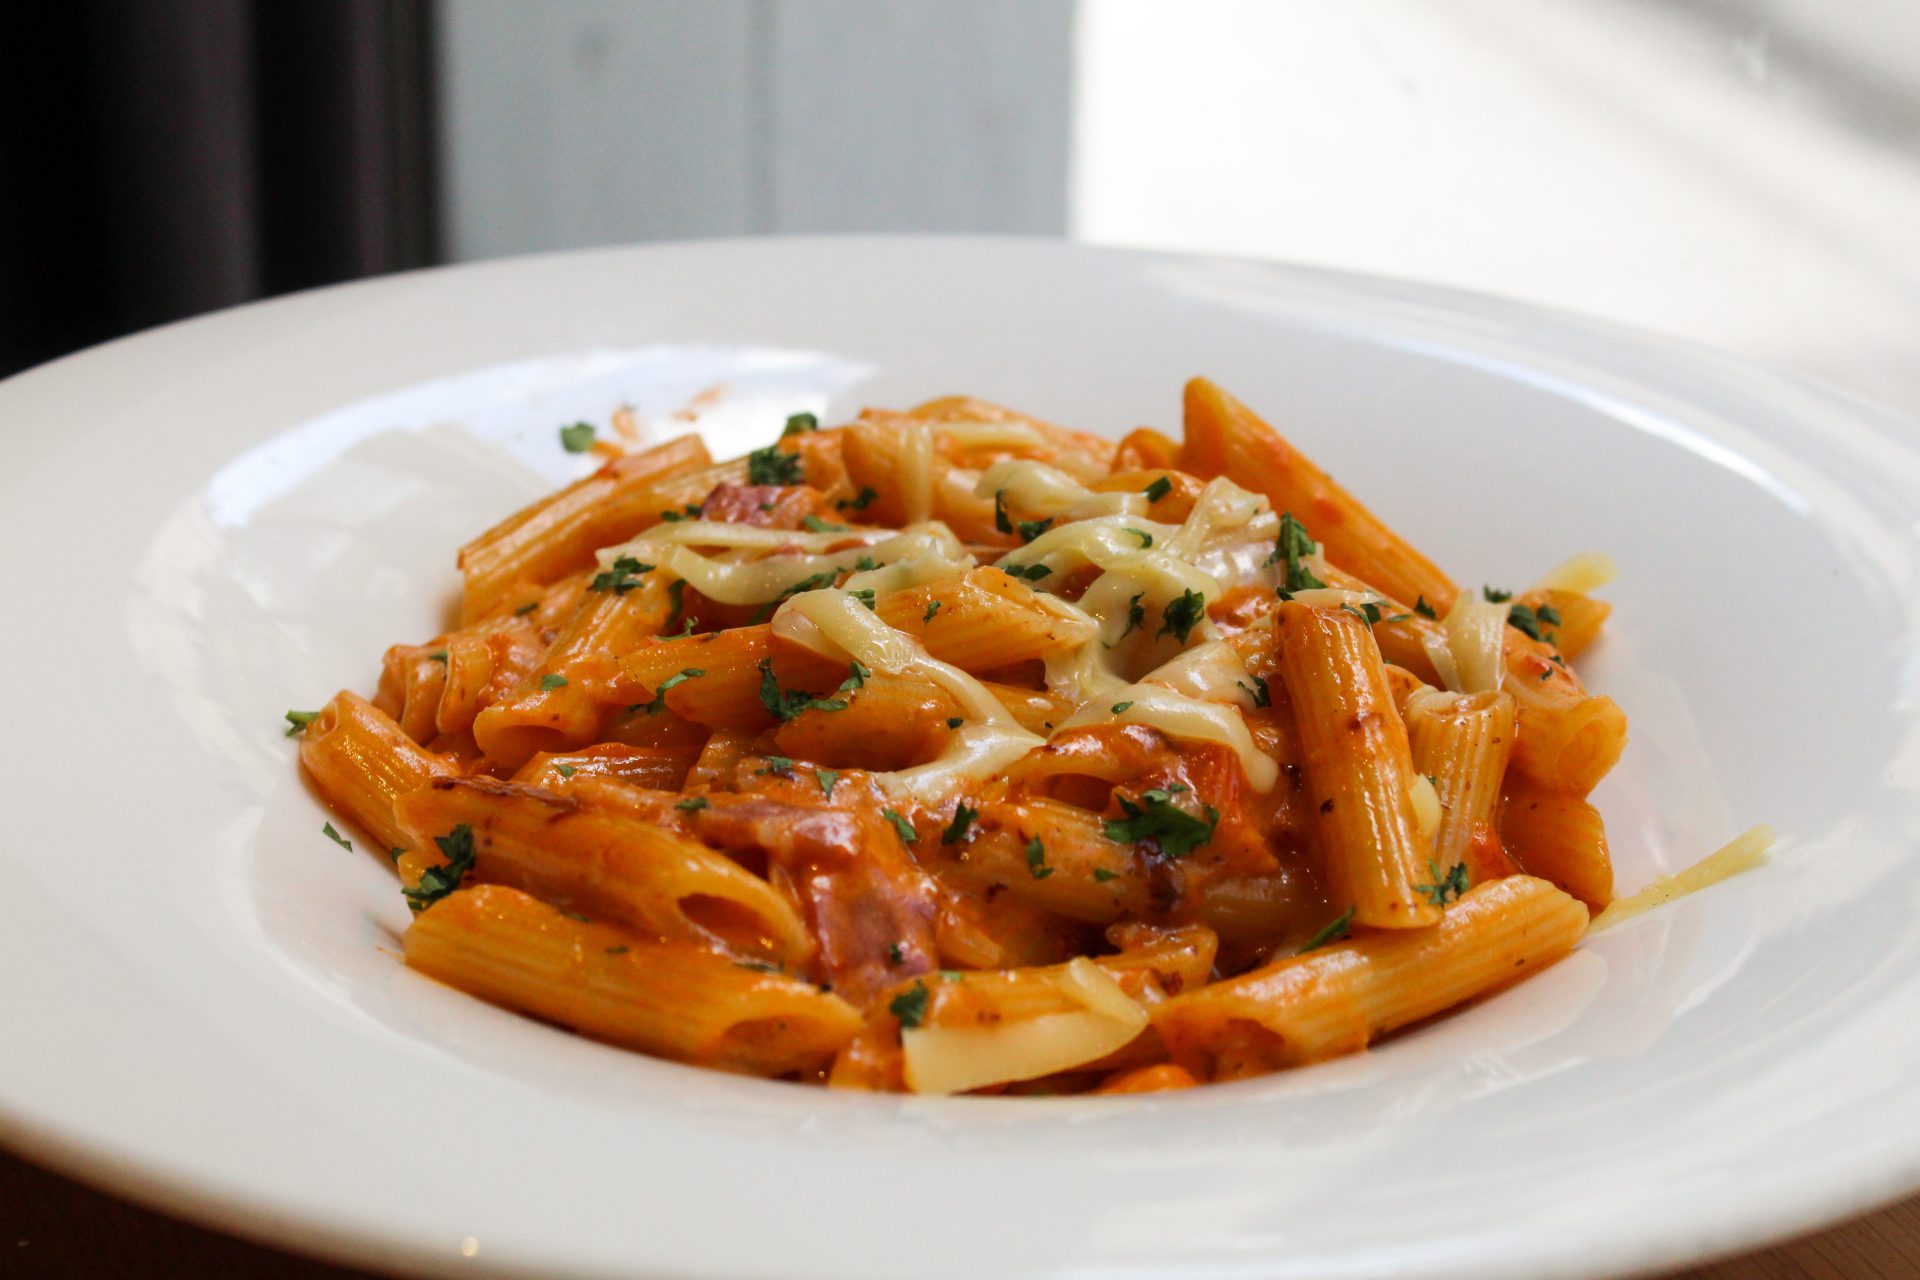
(1744, 173)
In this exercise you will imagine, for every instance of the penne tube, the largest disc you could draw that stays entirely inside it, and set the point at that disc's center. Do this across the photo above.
(657, 768)
(888, 722)
(1559, 838)
(1461, 742)
(1579, 619)
(559, 534)
(1337, 999)
(1224, 437)
(983, 620)
(1359, 770)
(1078, 872)
(360, 762)
(1158, 1078)
(666, 998)
(1568, 739)
(607, 865)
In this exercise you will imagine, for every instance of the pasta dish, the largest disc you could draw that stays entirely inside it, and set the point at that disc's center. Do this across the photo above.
(949, 750)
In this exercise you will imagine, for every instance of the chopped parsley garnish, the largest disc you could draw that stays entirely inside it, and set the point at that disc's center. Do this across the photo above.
(956, 831)
(565, 770)
(395, 854)
(1102, 875)
(672, 682)
(1156, 818)
(910, 1006)
(1425, 610)
(552, 681)
(437, 882)
(901, 826)
(298, 720)
(689, 512)
(1136, 614)
(1496, 596)
(814, 524)
(574, 915)
(620, 950)
(1119, 708)
(1548, 614)
(895, 955)
(1546, 673)
(1182, 615)
(865, 564)
(952, 975)
(859, 501)
(1262, 696)
(826, 778)
(1159, 489)
(677, 595)
(692, 804)
(1444, 888)
(1334, 930)
(577, 438)
(931, 610)
(526, 608)
(1525, 620)
(954, 722)
(1031, 529)
(758, 966)
(1294, 544)
(1000, 520)
(1368, 612)
(778, 764)
(1031, 572)
(1146, 539)
(771, 465)
(866, 596)
(621, 577)
(438, 656)
(1037, 859)
(799, 423)
(327, 830)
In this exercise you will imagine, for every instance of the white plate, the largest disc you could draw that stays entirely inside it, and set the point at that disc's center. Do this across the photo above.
(203, 526)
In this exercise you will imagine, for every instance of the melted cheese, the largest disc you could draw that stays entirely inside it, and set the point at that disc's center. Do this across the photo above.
(1426, 807)
(1745, 851)
(991, 435)
(916, 476)
(1476, 633)
(1580, 574)
(743, 582)
(1183, 717)
(942, 1060)
(1035, 488)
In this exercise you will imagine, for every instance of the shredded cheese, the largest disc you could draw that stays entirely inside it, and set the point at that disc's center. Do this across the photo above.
(943, 1060)
(1476, 635)
(1745, 851)
(1580, 574)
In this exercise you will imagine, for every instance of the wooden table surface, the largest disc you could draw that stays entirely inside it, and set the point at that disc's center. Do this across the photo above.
(51, 1227)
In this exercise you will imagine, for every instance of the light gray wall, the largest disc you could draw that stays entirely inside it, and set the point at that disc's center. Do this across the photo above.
(580, 122)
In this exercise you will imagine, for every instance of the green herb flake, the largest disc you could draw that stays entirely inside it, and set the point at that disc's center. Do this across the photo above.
(1292, 546)
(799, 424)
(1136, 614)
(1425, 610)
(1031, 529)
(910, 1006)
(437, 656)
(954, 722)
(772, 465)
(812, 582)
(1146, 539)
(1444, 888)
(785, 704)
(1031, 572)
(553, 680)
(1102, 875)
(867, 596)
(617, 951)
(692, 804)
(1368, 612)
(1159, 489)
(826, 778)
(675, 681)
(901, 826)
(1157, 819)
(1546, 673)
(859, 501)
(932, 609)
(1182, 615)
(565, 770)
(1000, 520)
(895, 955)
(577, 438)
(1261, 694)
(1496, 596)
(956, 831)
(1037, 860)
(526, 608)
(298, 720)
(437, 882)
(1548, 614)
(1120, 708)
(326, 829)
(1525, 620)
(396, 853)
(758, 966)
(622, 576)
(814, 524)
(1334, 930)
(777, 764)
